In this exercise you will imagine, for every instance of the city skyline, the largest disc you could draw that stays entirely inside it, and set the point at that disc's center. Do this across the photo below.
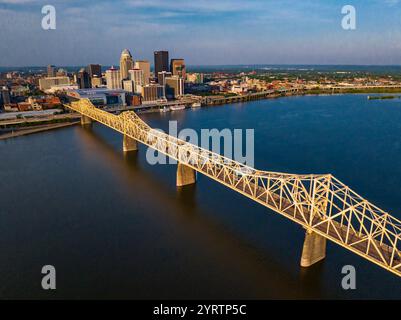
(205, 33)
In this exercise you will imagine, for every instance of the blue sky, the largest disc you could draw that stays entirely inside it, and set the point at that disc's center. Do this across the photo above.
(202, 31)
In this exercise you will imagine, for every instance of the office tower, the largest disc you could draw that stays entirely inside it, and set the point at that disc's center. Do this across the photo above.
(144, 65)
(5, 96)
(152, 92)
(161, 62)
(94, 70)
(136, 75)
(47, 83)
(174, 87)
(113, 78)
(51, 71)
(126, 63)
(83, 79)
(161, 76)
(177, 68)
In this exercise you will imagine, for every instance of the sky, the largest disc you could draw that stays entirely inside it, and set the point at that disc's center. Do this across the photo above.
(203, 32)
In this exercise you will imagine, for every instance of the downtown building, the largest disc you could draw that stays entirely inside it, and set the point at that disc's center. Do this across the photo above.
(174, 87)
(113, 79)
(47, 83)
(152, 93)
(177, 68)
(144, 65)
(161, 62)
(126, 64)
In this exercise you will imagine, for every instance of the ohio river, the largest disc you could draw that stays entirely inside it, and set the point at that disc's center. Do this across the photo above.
(115, 226)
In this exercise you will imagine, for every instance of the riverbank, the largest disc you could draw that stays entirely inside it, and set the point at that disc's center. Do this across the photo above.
(35, 129)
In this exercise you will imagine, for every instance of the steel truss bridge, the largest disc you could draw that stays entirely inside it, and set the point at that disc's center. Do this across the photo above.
(323, 205)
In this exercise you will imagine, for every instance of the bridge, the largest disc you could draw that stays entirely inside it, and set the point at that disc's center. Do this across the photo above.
(320, 203)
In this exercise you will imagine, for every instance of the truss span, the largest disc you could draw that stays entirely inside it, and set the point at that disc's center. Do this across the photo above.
(319, 203)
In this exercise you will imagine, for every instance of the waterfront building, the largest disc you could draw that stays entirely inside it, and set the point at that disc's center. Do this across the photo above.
(61, 73)
(161, 62)
(174, 87)
(47, 83)
(100, 96)
(83, 79)
(152, 93)
(113, 79)
(126, 63)
(177, 67)
(144, 65)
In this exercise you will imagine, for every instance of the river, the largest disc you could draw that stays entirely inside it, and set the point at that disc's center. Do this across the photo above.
(115, 226)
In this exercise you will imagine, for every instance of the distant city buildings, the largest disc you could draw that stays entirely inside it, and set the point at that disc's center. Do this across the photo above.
(113, 79)
(51, 71)
(194, 77)
(83, 79)
(126, 64)
(161, 62)
(94, 70)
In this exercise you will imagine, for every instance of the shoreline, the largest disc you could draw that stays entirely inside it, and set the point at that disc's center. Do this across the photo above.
(36, 129)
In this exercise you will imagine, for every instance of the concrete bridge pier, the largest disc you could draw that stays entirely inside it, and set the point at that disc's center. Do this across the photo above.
(85, 120)
(314, 249)
(185, 175)
(129, 144)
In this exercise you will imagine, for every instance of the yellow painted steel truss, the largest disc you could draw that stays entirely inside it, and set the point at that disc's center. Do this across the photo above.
(319, 203)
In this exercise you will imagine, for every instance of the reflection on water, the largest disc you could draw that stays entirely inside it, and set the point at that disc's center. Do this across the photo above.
(116, 227)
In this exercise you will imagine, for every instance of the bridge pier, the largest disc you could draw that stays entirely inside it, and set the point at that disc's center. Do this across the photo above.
(129, 144)
(314, 249)
(185, 175)
(85, 120)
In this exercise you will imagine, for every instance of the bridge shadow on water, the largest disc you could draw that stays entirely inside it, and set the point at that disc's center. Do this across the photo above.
(226, 264)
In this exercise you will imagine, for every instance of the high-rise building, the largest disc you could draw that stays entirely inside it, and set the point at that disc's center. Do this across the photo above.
(161, 76)
(161, 62)
(51, 71)
(94, 70)
(174, 87)
(177, 68)
(5, 96)
(152, 92)
(136, 75)
(144, 65)
(83, 79)
(113, 79)
(126, 63)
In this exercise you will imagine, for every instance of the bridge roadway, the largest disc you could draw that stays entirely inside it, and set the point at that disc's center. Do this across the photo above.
(324, 206)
